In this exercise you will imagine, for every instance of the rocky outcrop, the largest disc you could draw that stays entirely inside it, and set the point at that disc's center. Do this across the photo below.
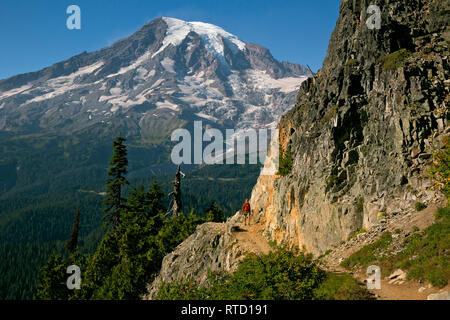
(364, 128)
(212, 247)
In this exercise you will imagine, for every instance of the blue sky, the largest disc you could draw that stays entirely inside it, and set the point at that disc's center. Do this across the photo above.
(33, 33)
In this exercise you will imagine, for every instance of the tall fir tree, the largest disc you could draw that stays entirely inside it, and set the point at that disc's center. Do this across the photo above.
(114, 203)
(155, 199)
(72, 243)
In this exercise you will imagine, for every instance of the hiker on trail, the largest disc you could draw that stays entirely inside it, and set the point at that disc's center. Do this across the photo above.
(246, 212)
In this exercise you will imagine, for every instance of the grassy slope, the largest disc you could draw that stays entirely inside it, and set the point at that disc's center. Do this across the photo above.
(426, 256)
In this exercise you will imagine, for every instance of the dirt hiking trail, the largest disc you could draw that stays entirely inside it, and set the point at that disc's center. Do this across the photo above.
(252, 239)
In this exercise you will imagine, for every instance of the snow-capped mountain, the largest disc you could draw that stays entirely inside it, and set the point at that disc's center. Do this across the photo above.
(169, 68)
(163, 77)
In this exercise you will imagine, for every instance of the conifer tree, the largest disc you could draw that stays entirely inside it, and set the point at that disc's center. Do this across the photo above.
(155, 199)
(72, 243)
(214, 213)
(114, 203)
(136, 200)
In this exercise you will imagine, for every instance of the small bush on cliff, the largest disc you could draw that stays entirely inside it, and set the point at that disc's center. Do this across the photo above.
(330, 114)
(279, 275)
(350, 62)
(285, 161)
(331, 181)
(394, 60)
(419, 206)
(128, 258)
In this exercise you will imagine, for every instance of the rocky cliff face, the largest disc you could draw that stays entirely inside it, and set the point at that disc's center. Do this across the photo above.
(363, 129)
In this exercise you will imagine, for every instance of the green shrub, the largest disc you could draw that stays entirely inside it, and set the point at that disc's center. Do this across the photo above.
(419, 206)
(437, 278)
(279, 275)
(350, 62)
(394, 60)
(285, 162)
(331, 181)
(272, 243)
(341, 287)
(214, 213)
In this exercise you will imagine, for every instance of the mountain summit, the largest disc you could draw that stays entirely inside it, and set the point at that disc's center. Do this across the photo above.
(163, 77)
(166, 68)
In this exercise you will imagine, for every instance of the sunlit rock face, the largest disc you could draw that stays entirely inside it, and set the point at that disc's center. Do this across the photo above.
(363, 129)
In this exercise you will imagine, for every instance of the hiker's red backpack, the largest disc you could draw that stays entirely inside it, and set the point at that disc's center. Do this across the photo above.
(246, 207)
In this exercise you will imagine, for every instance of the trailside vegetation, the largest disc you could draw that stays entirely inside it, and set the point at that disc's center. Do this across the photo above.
(283, 274)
